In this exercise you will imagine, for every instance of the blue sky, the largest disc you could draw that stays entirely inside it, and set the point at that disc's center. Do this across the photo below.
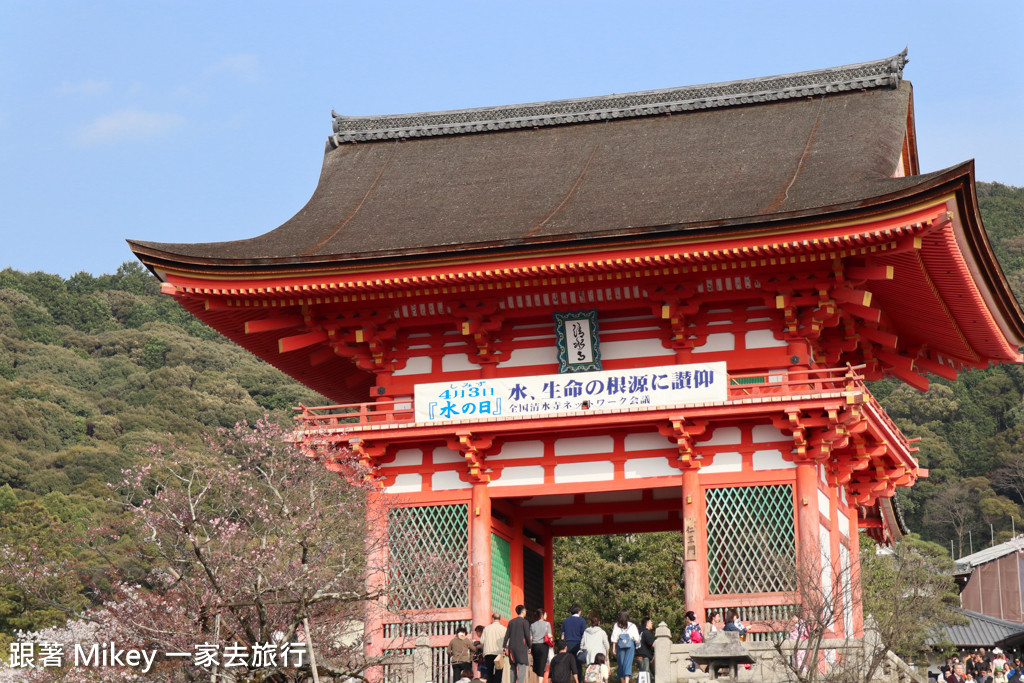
(202, 121)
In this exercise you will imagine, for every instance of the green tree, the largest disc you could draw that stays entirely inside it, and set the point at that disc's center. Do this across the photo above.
(604, 574)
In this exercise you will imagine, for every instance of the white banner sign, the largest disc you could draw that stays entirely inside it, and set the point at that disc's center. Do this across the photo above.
(546, 394)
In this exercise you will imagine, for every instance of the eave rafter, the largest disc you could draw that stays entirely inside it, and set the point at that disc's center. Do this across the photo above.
(841, 440)
(833, 310)
(661, 258)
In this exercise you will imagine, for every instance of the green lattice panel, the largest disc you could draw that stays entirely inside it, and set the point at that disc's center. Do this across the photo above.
(501, 576)
(429, 557)
(751, 545)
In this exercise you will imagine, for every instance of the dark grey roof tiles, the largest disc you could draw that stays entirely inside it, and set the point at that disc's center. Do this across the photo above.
(981, 630)
(876, 74)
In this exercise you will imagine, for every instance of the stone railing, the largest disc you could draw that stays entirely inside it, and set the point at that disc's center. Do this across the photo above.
(841, 659)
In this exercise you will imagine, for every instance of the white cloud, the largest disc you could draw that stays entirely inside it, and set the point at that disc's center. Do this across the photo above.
(86, 87)
(127, 125)
(245, 67)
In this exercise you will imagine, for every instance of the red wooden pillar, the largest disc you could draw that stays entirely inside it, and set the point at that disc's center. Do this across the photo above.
(376, 574)
(808, 548)
(858, 599)
(694, 564)
(480, 555)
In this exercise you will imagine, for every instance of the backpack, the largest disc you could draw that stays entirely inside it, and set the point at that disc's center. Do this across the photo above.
(624, 641)
(593, 674)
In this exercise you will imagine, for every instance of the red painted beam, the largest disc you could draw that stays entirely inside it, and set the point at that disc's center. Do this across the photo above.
(301, 341)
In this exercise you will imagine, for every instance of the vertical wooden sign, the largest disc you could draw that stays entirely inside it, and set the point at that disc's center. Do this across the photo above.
(689, 538)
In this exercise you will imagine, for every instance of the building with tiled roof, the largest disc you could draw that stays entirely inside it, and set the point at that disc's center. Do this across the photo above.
(772, 241)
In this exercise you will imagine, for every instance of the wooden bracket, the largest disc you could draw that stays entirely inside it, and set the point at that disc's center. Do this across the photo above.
(677, 306)
(481, 320)
(474, 449)
(366, 337)
(368, 454)
(684, 434)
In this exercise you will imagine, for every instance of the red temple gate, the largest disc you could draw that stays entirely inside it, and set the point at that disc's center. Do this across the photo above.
(777, 231)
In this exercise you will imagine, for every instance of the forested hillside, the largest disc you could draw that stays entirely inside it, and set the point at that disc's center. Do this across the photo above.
(92, 369)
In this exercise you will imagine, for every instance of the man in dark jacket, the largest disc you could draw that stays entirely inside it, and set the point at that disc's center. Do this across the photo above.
(957, 675)
(563, 666)
(517, 645)
(645, 651)
(572, 630)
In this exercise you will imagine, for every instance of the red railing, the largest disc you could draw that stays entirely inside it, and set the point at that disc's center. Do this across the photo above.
(742, 386)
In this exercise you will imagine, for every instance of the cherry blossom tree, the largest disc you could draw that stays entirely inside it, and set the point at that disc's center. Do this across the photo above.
(264, 562)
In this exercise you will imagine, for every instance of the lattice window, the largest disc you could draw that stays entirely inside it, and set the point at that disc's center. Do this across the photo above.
(751, 545)
(429, 555)
(501, 576)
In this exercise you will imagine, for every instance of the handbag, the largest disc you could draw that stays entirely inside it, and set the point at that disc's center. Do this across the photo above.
(499, 662)
(548, 640)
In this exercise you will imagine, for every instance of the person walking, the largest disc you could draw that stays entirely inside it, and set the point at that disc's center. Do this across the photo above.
(563, 666)
(645, 650)
(461, 651)
(517, 646)
(478, 656)
(540, 639)
(595, 640)
(692, 632)
(572, 630)
(625, 638)
(491, 644)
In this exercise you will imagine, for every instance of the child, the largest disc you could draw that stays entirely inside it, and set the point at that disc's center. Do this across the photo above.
(598, 671)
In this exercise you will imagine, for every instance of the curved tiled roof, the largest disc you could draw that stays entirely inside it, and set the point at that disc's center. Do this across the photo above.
(701, 158)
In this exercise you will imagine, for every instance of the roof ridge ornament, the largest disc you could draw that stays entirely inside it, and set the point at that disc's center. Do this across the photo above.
(866, 75)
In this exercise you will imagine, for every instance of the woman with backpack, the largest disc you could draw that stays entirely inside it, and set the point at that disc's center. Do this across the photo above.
(598, 671)
(625, 638)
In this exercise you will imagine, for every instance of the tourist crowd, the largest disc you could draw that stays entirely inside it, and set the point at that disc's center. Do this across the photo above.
(527, 651)
(980, 667)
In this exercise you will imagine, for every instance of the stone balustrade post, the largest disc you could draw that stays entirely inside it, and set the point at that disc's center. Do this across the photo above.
(421, 661)
(662, 646)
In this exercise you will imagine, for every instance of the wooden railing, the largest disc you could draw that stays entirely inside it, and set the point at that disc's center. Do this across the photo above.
(742, 387)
